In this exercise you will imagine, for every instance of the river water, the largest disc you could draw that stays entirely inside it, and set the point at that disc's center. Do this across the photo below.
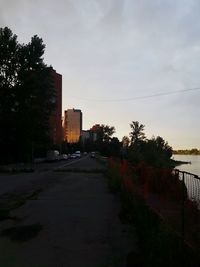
(194, 167)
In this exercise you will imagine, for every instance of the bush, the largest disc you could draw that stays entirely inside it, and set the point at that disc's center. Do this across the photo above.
(159, 244)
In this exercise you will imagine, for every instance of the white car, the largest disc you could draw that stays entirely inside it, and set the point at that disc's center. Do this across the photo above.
(92, 155)
(78, 154)
(73, 156)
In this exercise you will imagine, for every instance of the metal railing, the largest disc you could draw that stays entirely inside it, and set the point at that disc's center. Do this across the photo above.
(192, 183)
(173, 195)
(190, 207)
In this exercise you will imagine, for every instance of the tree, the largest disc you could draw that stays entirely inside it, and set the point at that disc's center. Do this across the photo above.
(103, 135)
(194, 151)
(9, 48)
(154, 151)
(137, 133)
(107, 132)
(163, 146)
(8, 60)
(26, 91)
(157, 152)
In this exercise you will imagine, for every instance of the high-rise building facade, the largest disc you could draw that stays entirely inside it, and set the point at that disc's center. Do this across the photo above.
(72, 125)
(56, 116)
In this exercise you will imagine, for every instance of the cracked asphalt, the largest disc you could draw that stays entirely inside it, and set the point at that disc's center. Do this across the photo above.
(78, 215)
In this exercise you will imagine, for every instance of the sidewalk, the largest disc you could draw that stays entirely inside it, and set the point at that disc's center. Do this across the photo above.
(78, 226)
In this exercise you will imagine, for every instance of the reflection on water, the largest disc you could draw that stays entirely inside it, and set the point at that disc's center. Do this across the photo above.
(193, 187)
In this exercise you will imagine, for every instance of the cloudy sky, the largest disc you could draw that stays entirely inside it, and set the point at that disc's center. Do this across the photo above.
(121, 60)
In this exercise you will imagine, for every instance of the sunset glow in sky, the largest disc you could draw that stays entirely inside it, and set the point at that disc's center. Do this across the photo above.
(121, 60)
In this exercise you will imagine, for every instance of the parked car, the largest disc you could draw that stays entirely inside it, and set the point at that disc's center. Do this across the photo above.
(92, 155)
(39, 160)
(63, 157)
(52, 155)
(73, 156)
(78, 154)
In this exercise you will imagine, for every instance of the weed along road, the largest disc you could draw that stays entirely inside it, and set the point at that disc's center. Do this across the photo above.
(63, 217)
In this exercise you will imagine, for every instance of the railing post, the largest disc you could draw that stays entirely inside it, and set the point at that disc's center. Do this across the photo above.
(183, 206)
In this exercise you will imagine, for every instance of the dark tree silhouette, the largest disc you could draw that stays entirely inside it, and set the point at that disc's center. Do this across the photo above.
(154, 151)
(137, 133)
(26, 91)
(107, 131)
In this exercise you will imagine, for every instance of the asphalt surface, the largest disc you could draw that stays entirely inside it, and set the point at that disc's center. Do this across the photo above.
(78, 215)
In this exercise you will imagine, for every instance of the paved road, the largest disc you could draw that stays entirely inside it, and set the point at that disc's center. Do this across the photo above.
(78, 215)
(21, 182)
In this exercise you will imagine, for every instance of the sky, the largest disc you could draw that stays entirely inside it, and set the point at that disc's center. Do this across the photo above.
(121, 60)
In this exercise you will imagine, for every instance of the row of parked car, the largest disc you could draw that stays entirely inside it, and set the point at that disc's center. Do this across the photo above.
(54, 155)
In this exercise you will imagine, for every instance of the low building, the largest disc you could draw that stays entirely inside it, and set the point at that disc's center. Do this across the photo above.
(85, 135)
(95, 132)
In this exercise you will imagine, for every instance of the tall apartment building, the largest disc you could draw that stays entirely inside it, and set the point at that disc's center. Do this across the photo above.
(72, 125)
(56, 117)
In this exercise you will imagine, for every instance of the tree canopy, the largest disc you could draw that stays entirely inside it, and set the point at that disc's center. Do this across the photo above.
(137, 133)
(107, 132)
(26, 90)
(154, 151)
